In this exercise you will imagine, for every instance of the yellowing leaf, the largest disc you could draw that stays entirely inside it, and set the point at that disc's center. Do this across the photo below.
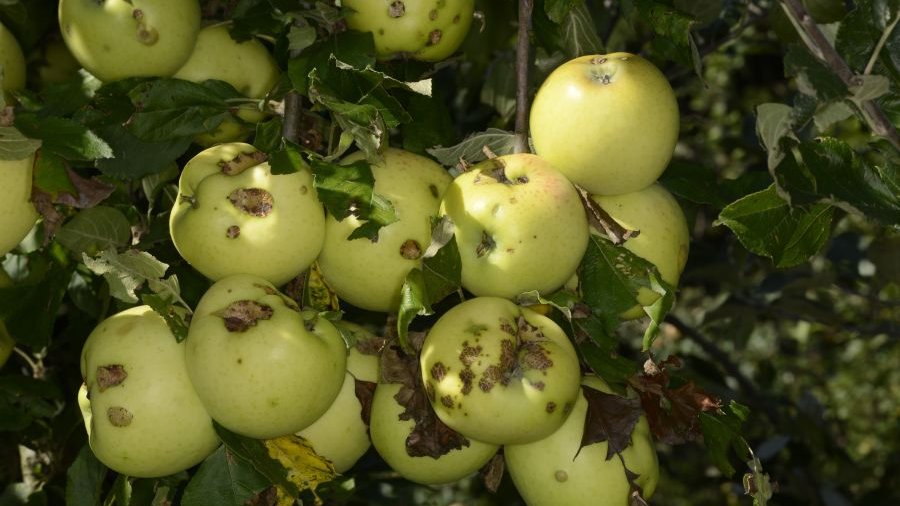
(305, 468)
(318, 294)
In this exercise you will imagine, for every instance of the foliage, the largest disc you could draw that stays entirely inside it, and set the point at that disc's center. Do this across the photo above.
(777, 361)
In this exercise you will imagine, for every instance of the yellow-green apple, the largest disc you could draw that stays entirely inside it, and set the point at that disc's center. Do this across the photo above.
(389, 435)
(233, 216)
(263, 367)
(115, 39)
(246, 65)
(370, 274)
(554, 471)
(519, 225)
(608, 122)
(142, 415)
(7, 343)
(498, 372)
(663, 240)
(17, 213)
(341, 435)
(12, 63)
(427, 31)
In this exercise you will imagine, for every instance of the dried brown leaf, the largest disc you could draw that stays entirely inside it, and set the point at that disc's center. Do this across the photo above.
(609, 418)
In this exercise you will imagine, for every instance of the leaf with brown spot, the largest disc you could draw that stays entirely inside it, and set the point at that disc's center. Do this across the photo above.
(609, 418)
(365, 392)
(492, 473)
(253, 201)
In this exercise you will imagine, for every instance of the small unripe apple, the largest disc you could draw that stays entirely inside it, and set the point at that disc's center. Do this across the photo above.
(552, 471)
(17, 213)
(246, 65)
(370, 274)
(115, 39)
(263, 367)
(341, 435)
(141, 413)
(423, 30)
(663, 240)
(519, 225)
(389, 434)
(12, 62)
(608, 122)
(498, 372)
(233, 216)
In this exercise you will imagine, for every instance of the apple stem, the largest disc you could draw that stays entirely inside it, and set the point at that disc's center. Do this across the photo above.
(522, 64)
(818, 44)
(599, 218)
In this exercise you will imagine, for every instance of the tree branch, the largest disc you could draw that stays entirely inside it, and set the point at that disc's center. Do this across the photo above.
(819, 45)
(523, 62)
(290, 128)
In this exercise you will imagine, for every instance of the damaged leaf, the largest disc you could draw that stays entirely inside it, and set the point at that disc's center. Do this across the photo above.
(609, 418)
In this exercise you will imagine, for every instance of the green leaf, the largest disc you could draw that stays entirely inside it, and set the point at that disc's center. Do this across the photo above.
(128, 271)
(224, 479)
(24, 400)
(500, 142)
(300, 38)
(673, 30)
(766, 225)
(579, 32)
(95, 229)
(557, 9)
(134, 157)
(599, 346)
(63, 137)
(813, 78)
(15, 146)
(356, 49)
(167, 109)
(860, 31)
(611, 276)
(773, 123)
(431, 124)
(30, 307)
(348, 189)
(177, 317)
(84, 479)
(254, 452)
(722, 432)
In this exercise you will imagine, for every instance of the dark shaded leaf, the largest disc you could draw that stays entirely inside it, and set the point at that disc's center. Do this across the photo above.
(14, 145)
(348, 189)
(722, 432)
(579, 32)
(471, 150)
(171, 109)
(29, 309)
(492, 473)
(223, 479)
(365, 392)
(813, 78)
(134, 157)
(610, 418)
(24, 399)
(356, 49)
(84, 479)
(95, 229)
(63, 137)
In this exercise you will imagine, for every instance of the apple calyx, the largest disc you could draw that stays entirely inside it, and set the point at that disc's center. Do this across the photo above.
(242, 162)
(109, 376)
(253, 201)
(240, 315)
(119, 416)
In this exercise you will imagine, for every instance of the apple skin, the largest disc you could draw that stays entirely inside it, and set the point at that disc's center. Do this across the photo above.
(427, 31)
(115, 39)
(340, 435)
(368, 274)
(534, 218)
(167, 429)
(664, 240)
(274, 377)
(246, 65)
(498, 372)
(219, 238)
(389, 435)
(17, 213)
(608, 122)
(548, 472)
(12, 61)
(7, 343)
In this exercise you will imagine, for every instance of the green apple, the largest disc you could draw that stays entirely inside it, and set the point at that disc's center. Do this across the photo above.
(370, 274)
(519, 225)
(115, 39)
(12, 62)
(233, 216)
(498, 372)
(389, 434)
(341, 435)
(663, 240)
(142, 415)
(608, 122)
(553, 471)
(263, 367)
(52, 62)
(17, 213)
(246, 65)
(7, 343)
(427, 31)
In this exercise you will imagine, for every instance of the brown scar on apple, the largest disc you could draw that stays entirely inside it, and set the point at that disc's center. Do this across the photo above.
(109, 376)
(433, 14)
(253, 201)
(438, 371)
(467, 376)
(551, 407)
(119, 416)
(397, 9)
(411, 249)
(240, 315)
(434, 37)
(233, 232)
(486, 245)
(447, 401)
(561, 476)
(242, 162)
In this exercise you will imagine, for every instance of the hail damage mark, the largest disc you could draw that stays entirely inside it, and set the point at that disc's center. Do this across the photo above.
(233, 232)
(411, 249)
(119, 416)
(240, 315)
(467, 376)
(447, 401)
(109, 376)
(253, 201)
(397, 9)
(438, 371)
(434, 37)
(551, 407)
(486, 245)
(242, 162)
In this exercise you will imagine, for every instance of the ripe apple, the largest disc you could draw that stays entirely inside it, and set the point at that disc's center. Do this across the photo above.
(142, 415)
(553, 471)
(246, 65)
(664, 239)
(17, 213)
(519, 225)
(427, 31)
(608, 122)
(7, 343)
(341, 435)
(115, 39)
(12, 62)
(263, 367)
(233, 216)
(498, 372)
(370, 274)
(389, 435)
